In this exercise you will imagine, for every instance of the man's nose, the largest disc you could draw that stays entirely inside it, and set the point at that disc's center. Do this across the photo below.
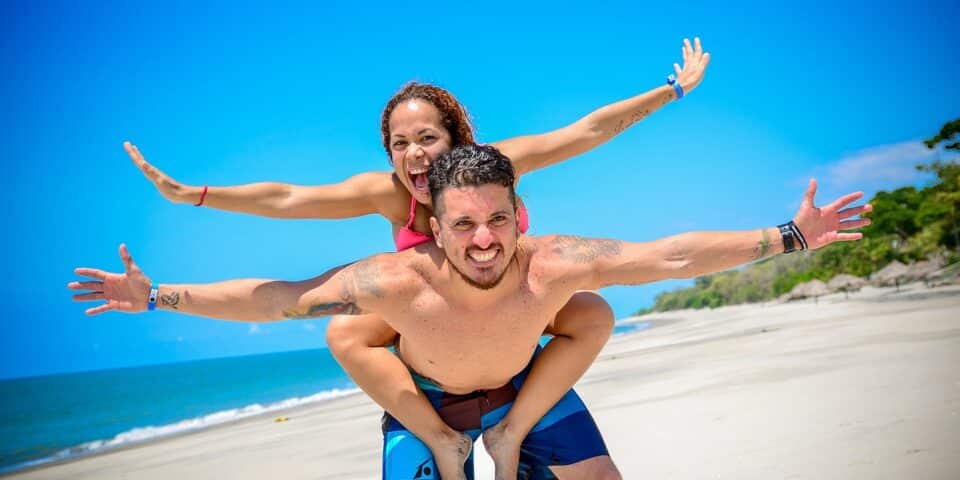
(482, 237)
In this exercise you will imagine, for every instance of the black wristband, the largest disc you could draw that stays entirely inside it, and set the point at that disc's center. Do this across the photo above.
(799, 235)
(792, 237)
(786, 235)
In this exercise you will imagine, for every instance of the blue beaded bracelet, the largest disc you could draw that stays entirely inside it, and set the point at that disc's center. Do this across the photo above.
(672, 81)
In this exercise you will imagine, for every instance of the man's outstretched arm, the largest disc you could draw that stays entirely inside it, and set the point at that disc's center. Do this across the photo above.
(688, 255)
(342, 290)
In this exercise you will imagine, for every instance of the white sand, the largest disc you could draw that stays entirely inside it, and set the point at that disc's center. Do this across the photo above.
(839, 389)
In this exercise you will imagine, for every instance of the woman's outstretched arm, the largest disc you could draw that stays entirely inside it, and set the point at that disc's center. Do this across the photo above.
(533, 152)
(363, 194)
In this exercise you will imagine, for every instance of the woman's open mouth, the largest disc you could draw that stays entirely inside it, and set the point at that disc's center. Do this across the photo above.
(418, 178)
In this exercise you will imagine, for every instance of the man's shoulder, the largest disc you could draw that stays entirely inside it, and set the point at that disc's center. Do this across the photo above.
(571, 248)
(388, 275)
(543, 254)
(566, 254)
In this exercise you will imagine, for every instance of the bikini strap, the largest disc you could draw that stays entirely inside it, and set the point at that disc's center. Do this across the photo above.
(413, 211)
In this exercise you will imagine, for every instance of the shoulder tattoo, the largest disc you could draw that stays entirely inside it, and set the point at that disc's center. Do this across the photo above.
(584, 250)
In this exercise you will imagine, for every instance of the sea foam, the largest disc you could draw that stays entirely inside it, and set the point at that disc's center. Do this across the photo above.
(142, 434)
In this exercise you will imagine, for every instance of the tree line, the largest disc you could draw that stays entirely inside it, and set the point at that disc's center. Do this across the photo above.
(907, 224)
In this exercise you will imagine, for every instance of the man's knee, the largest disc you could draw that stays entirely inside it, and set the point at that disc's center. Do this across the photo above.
(586, 314)
(347, 333)
(339, 339)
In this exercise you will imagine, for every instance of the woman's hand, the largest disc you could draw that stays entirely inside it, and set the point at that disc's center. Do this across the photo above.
(694, 65)
(168, 187)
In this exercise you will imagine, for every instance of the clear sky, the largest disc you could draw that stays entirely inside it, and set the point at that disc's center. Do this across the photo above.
(227, 93)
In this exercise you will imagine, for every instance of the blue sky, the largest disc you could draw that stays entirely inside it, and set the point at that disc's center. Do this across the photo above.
(225, 94)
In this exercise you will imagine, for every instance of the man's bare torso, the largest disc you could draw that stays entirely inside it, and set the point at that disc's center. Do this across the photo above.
(471, 340)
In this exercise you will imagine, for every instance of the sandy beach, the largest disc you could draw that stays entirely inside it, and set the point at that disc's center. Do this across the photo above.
(866, 387)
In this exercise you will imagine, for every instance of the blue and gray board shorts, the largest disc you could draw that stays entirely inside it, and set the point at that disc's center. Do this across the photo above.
(566, 435)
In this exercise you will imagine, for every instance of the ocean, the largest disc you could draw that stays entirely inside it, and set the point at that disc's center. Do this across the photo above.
(55, 417)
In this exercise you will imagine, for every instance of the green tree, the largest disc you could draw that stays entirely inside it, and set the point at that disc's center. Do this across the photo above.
(944, 199)
(896, 213)
(950, 130)
(907, 224)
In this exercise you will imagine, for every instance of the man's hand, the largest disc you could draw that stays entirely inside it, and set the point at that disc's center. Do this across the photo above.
(127, 292)
(694, 65)
(822, 226)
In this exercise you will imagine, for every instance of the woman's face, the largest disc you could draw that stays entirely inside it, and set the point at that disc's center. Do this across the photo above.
(417, 138)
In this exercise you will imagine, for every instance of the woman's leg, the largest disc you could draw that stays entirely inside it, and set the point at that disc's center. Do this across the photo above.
(580, 331)
(357, 342)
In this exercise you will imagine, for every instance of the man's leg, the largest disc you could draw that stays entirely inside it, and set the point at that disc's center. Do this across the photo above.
(405, 457)
(580, 329)
(599, 468)
(567, 444)
(566, 440)
(357, 344)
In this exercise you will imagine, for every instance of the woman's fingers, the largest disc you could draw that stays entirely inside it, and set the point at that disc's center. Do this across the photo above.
(852, 211)
(851, 224)
(848, 237)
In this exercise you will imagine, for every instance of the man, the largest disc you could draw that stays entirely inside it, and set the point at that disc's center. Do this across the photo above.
(471, 308)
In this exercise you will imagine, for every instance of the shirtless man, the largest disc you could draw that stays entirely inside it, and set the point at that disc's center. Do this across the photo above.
(471, 307)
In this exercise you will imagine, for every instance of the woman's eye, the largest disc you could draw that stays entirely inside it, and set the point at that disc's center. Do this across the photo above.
(399, 144)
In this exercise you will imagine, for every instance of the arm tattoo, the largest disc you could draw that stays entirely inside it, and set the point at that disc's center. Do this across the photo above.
(763, 247)
(346, 306)
(668, 98)
(621, 126)
(171, 300)
(324, 309)
(634, 118)
(363, 277)
(584, 250)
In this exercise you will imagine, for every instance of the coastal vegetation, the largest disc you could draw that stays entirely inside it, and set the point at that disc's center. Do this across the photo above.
(908, 225)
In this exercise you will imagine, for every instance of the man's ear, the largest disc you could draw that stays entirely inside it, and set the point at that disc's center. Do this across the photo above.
(435, 227)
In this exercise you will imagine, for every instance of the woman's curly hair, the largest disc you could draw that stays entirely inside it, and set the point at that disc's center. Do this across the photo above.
(452, 114)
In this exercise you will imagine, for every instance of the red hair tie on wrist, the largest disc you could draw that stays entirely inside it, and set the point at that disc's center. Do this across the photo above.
(202, 197)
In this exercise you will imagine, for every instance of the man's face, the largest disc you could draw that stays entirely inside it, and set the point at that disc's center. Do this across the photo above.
(477, 232)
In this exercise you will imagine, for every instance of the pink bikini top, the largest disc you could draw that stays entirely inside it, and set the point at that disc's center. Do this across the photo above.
(407, 237)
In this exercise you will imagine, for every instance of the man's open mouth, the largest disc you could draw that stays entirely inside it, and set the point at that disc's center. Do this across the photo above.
(483, 257)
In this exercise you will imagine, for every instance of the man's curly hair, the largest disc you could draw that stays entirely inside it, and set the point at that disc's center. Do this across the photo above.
(470, 166)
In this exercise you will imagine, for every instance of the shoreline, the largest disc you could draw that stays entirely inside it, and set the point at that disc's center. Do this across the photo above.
(289, 412)
(708, 364)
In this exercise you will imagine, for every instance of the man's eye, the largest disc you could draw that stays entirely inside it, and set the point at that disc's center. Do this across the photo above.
(500, 219)
(462, 224)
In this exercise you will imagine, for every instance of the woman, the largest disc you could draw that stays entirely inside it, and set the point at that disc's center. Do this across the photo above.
(420, 123)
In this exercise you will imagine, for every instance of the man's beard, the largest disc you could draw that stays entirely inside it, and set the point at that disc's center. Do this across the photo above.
(474, 283)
